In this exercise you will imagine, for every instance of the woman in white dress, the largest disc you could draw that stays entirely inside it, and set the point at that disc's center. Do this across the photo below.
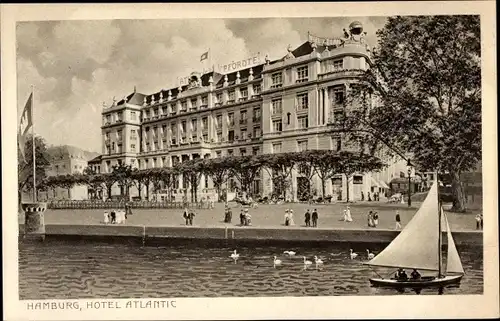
(290, 216)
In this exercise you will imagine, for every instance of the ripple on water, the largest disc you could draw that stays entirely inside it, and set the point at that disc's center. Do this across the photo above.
(61, 271)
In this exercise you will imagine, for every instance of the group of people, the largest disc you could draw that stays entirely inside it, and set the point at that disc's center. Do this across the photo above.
(117, 216)
(376, 196)
(402, 276)
(188, 216)
(372, 219)
(346, 216)
(311, 217)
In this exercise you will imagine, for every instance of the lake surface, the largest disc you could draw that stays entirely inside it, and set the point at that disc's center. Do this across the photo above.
(75, 270)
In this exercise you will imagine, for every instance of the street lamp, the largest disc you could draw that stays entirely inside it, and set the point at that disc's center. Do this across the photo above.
(409, 166)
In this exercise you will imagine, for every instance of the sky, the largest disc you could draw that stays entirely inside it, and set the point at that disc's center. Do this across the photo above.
(76, 66)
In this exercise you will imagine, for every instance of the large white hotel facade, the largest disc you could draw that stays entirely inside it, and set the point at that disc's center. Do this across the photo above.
(285, 105)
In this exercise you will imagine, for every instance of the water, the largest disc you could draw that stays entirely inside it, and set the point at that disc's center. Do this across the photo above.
(58, 270)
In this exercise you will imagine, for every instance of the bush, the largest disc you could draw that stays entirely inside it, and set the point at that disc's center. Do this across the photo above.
(328, 198)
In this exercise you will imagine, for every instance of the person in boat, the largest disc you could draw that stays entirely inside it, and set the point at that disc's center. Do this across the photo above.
(401, 275)
(415, 275)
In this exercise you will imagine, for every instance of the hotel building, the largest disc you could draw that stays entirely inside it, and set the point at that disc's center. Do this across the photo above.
(286, 105)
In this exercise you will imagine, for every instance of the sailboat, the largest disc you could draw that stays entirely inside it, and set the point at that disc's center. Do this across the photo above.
(419, 246)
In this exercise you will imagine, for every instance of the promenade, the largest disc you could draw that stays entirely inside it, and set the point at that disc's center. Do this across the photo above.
(265, 216)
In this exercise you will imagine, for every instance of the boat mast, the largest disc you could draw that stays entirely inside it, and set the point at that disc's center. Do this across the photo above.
(439, 229)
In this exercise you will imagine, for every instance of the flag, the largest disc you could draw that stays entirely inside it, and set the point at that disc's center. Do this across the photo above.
(204, 56)
(25, 124)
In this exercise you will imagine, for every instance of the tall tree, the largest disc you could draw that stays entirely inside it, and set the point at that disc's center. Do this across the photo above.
(280, 166)
(122, 174)
(218, 169)
(245, 169)
(325, 164)
(426, 79)
(25, 168)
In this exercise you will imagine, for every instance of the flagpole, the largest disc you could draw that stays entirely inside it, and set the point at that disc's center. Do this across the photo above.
(33, 141)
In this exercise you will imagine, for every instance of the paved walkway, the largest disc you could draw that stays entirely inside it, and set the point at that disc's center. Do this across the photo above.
(264, 216)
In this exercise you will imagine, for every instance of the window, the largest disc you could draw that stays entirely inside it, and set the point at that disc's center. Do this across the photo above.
(194, 125)
(120, 116)
(204, 123)
(277, 126)
(218, 99)
(276, 148)
(133, 115)
(243, 151)
(218, 120)
(357, 179)
(119, 135)
(205, 137)
(244, 93)
(230, 119)
(303, 122)
(302, 101)
(173, 130)
(230, 152)
(155, 112)
(230, 135)
(183, 127)
(256, 114)
(243, 116)
(132, 147)
(276, 106)
(230, 96)
(256, 132)
(164, 130)
(339, 95)
(194, 103)
(218, 154)
(256, 89)
(302, 74)
(204, 101)
(108, 119)
(244, 134)
(255, 150)
(338, 64)
(302, 145)
(219, 137)
(106, 136)
(276, 80)
(184, 106)
(337, 143)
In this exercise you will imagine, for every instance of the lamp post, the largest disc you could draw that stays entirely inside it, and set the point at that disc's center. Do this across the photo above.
(408, 164)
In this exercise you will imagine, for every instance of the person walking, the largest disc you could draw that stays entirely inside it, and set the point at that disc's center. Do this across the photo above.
(186, 215)
(128, 210)
(478, 221)
(314, 218)
(290, 215)
(307, 217)
(348, 214)
(242, 218)
(191, 217)
(375, 219)
(398, 221)
(370, 219)
(287, 218)
(362, 196)
(229, 215)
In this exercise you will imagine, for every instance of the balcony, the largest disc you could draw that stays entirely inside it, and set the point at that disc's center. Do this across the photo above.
(301, 109)
(298, 81)
(218, 104)
(194, 108)
(256, 96)
(273, 86)
(243, 121)
(203, 106)
(341, 73)
(230, 101)
(183, 111)
(243, 99)
(173, 113)
(256, 119)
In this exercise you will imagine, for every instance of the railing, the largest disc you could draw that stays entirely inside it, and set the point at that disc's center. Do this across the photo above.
(243, 121)
(116, 205)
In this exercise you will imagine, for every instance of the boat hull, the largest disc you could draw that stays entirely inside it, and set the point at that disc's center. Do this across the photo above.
(424, 283)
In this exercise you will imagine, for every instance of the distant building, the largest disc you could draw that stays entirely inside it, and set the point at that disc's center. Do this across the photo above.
(251, 107)
(66, 160)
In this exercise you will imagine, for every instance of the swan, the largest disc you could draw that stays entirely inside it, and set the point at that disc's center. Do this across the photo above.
(276, 262)
(317, 261)
(306, 263)
(235, 256)
(353, 255)
(370, 255)
(290, 253)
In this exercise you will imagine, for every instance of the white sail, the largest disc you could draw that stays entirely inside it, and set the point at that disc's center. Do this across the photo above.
(417, 244)
(453, 262)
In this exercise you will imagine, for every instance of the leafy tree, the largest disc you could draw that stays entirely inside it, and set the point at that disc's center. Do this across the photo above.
(168, 176)
(218, 169)
(279, 167)
(122, 174)
(93, 180)
(25, 168)
(426, 79)
(324, 163)
(306, 169)
(245, 169)
(192, 170)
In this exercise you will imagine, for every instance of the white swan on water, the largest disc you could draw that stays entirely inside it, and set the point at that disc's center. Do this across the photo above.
(353, 255)
(317, 261)
(369, 255)
(306, 263)
(276, 262)
(235, 256)
(291, 253)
